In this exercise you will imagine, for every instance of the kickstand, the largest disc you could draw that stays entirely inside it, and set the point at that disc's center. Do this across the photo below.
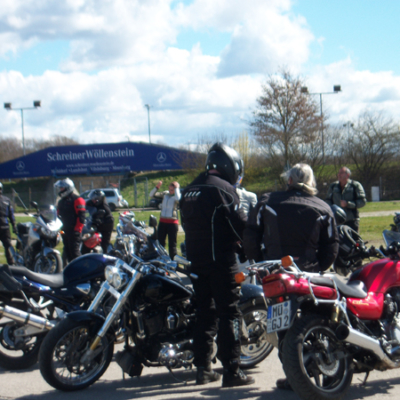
(365, 379)
(175, 377)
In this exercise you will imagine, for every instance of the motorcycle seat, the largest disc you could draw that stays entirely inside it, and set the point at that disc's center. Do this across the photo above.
(53, 280)
(355, 289)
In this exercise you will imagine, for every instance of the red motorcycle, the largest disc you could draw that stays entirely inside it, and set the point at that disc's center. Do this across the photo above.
(327, 329)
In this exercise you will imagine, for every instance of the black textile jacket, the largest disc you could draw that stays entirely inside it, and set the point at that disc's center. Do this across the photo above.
(292, 223)
(211, 219)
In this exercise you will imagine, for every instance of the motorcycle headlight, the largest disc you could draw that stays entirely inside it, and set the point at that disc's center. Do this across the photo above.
(114, 276)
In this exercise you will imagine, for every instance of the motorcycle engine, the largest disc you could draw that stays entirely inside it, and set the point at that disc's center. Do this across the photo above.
(391, 317)
(170, 320)
(177, 355)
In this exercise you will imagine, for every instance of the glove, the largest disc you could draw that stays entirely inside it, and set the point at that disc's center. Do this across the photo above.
(14, 229)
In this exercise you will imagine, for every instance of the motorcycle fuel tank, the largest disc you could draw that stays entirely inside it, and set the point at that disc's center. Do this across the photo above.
(157, 289)
(87, 267)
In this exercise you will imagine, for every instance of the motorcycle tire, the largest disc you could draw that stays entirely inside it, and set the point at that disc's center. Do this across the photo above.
(61, 352)
(50, 264)
(255, 318)
(16, 356)
(310, 372)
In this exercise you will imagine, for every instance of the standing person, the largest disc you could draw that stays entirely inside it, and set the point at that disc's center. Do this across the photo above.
(247, 200)
(169, 221)
(293, 222)
(213, 224)
(349, 195)
(105, 224)
(71, 209)
(6, 215)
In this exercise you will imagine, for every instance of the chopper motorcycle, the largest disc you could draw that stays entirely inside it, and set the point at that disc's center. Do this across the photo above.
(155, 312)
(36, 241)
(41, 301)
(326, 330)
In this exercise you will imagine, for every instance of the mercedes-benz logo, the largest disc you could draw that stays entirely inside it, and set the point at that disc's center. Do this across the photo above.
(161, 157)
(20, 166)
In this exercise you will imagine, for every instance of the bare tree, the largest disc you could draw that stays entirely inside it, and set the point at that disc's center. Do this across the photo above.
(287, 121)
(373, 142)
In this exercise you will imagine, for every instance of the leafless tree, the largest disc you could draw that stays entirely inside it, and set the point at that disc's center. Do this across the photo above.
(373, 142)
(287, 121)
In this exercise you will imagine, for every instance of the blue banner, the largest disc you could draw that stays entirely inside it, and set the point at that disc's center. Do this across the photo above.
(95, 159)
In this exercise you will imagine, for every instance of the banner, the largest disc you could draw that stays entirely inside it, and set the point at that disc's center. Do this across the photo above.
(95, 159)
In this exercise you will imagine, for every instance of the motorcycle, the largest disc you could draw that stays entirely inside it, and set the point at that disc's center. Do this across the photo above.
(132, 238)
(155, 314)
(44, 299)
(327, 330)
(91, 238)
(36, 241)
(353, 249)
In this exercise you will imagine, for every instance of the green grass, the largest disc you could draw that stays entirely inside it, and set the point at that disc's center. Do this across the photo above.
(370, 227)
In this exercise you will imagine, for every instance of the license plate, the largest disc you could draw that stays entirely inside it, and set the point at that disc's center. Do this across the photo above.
(278, 317)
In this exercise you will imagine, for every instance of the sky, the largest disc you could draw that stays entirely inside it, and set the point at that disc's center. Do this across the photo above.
(198, 64)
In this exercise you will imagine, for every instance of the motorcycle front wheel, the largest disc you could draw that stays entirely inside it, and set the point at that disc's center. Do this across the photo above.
(255, 319)
(50, 264)
(60, 357)
(314, 361)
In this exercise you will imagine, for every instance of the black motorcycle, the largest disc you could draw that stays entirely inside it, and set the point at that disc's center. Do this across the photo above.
(45, 298)
(154, 314)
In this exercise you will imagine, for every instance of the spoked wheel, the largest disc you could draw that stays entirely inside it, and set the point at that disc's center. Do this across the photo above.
(18, 352)
(315, 361)
(63, 358)
(256, 323)
(50, 264)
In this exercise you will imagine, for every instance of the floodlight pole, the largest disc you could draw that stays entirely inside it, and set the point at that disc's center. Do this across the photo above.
(8, 107)
(336, 89)
(148, 119)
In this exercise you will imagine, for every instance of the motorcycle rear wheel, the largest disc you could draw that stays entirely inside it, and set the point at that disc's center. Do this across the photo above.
(252, 354)
(61, 352)
(50, 264)
(17, 356)
(309, 361)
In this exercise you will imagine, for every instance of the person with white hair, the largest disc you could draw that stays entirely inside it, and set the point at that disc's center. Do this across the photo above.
(293, 222)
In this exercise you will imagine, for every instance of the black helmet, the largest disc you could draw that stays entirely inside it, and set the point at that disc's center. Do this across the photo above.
(97, 197)
(226, 161)
(339, 214)
(64, 187)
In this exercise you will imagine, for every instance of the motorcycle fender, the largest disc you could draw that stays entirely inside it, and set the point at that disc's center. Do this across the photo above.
(251, 295)
(48, 250)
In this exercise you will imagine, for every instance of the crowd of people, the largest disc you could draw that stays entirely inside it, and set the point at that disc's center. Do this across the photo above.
(221, 219)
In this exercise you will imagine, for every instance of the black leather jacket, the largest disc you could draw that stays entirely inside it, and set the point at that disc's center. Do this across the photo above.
(6, 213)
(292, 223)
(212, 220)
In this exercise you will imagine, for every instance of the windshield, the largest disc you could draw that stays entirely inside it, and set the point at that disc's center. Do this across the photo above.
(48, 213)
(390, 237)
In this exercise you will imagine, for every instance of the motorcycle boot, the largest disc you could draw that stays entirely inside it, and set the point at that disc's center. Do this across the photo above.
(234, 376)
(206, 375)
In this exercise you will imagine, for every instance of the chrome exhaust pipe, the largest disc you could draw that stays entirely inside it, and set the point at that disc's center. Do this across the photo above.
(352, 336)
(26, 318)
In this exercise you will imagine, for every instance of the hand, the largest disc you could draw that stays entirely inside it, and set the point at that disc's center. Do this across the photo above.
(343, 203)
(14, 229)
(159, 184)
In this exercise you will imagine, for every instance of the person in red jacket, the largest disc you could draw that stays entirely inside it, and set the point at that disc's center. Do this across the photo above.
(71, 209)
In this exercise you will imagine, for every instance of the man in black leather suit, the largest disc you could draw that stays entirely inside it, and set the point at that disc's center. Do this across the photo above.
(6, 214)
(213, 224)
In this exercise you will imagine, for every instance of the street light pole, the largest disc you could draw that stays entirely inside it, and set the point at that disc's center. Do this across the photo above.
(336, 89)
(148, 118)
(8, 107)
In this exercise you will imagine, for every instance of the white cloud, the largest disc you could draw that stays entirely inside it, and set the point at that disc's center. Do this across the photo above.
(124, 54)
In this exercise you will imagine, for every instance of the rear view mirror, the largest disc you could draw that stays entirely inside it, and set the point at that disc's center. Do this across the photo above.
(153, 221)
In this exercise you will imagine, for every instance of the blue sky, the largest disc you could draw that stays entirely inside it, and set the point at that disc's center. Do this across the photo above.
(200, 64)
